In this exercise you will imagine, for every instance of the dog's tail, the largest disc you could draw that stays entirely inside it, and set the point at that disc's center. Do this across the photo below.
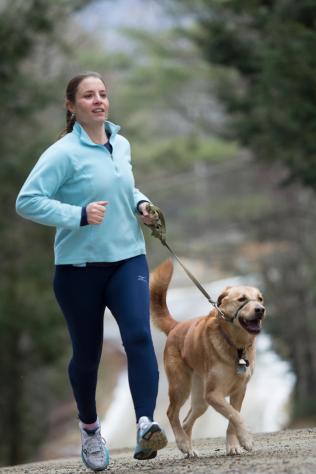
(159, 282)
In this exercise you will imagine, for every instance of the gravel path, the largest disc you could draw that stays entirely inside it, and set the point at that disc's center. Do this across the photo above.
(288, 451)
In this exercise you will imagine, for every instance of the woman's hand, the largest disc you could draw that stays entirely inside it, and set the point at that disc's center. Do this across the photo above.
(145, 216)
(96, 212)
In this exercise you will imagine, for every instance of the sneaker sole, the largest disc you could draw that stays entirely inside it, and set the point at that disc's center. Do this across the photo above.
(95, 469)
(143, 455)
(154, 439)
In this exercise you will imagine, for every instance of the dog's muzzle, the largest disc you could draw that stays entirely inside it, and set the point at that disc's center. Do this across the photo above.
(254, 324)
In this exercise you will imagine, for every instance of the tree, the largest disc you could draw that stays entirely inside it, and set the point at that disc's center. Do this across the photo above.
(267, 46)
(32, 335)
(161, 97)
(264, 51)
(289, 276)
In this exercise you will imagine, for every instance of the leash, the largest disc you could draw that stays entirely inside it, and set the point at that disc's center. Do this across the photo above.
(158, 230)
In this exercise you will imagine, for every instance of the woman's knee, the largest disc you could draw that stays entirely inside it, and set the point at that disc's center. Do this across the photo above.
(85, 362)
(138, 338)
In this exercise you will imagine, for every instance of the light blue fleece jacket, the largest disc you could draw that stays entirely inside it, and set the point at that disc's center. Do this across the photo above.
(69, 175)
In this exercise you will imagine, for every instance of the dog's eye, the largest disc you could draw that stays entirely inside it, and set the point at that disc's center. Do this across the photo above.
(242, 299)
(260, 298)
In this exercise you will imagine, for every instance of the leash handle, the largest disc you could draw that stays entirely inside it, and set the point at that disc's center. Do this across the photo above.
(159, 230)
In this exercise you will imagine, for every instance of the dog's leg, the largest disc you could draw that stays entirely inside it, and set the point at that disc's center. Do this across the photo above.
(179, 377)
(216, 399)
(198, 405)
(232, 443)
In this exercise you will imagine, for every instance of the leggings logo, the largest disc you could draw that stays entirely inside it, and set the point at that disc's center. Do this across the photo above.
(141, 278)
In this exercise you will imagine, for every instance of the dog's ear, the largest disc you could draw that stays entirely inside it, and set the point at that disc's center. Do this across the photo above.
(222, 295)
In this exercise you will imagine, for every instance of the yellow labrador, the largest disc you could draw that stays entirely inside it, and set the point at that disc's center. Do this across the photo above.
(211, 357)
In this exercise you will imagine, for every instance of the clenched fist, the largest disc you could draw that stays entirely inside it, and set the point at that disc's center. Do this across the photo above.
(146, 217)
(96, 212)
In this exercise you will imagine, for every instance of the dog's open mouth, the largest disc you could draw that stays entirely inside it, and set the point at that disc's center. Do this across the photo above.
(251, 325)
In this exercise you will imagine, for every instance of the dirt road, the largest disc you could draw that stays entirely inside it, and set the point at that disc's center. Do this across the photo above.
(289, 451)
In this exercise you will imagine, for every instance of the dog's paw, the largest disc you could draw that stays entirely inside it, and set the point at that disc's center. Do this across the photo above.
(232, 445)
(233, 450)
(192, 453)
(186, 448)
(245, 440)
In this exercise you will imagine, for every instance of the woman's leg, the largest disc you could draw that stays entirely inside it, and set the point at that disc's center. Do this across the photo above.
(127, 296)
(80, 294)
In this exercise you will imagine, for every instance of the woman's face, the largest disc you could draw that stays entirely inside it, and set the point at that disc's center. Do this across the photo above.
(91, 102)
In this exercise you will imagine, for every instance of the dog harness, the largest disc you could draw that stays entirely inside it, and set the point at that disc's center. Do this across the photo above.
(239, 309)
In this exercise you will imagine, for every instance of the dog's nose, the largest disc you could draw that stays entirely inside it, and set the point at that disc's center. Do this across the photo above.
(259, 310)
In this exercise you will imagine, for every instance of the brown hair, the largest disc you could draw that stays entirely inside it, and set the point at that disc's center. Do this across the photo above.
(71, 92)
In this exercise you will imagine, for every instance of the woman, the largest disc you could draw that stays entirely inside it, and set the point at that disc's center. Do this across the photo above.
(83, 184)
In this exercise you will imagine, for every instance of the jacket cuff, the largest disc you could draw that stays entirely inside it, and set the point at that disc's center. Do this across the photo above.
(84, 217)
(138, 204)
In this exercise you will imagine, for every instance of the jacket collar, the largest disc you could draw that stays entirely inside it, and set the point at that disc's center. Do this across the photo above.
(111, 130)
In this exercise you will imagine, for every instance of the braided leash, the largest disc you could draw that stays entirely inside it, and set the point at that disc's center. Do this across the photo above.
(158, 230)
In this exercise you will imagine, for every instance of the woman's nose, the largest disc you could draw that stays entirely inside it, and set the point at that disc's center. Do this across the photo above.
(97, 98)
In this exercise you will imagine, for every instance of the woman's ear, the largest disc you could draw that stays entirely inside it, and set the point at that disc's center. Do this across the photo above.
(222, 295)
(69, 106)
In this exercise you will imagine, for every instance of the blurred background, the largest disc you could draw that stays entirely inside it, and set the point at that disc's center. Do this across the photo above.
(218, 101)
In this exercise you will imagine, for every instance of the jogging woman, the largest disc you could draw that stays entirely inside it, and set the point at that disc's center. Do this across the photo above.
(83, 185)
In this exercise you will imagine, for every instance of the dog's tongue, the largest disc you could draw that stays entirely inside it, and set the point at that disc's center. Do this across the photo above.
(251, 325)
(254, 324)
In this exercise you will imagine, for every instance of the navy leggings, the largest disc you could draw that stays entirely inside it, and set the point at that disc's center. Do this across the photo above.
(83, 293)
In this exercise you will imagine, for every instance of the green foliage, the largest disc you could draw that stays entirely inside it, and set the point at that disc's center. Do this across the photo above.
(32, 333)
(180, 153)
(264, 55)
(272, 98)
(163, 89)
(246, 207)
(289, 277)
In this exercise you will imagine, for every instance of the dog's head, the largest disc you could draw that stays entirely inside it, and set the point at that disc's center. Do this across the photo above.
(243, 306)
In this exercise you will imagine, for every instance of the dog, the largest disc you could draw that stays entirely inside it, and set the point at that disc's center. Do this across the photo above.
(211, 357)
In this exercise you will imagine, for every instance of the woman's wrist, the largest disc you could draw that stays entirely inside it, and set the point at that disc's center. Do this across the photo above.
(138, 205)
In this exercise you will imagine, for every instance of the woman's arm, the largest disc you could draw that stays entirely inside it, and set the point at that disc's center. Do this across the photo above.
(36, 198)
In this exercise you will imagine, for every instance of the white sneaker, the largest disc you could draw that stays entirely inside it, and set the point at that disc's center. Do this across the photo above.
(94, 452)
(150, 435)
